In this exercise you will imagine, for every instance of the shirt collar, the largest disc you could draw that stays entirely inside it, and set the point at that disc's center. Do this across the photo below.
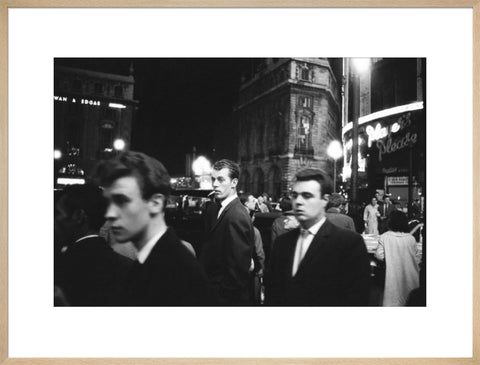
(316, 227)
(228, 200)
(142, 255)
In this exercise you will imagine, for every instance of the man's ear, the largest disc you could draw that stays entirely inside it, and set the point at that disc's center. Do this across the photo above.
(234, 182)
(157, 203)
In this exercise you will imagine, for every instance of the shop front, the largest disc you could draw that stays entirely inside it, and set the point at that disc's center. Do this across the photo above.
(392, 156)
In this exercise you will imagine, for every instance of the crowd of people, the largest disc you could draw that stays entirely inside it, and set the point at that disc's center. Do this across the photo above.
(316, 255)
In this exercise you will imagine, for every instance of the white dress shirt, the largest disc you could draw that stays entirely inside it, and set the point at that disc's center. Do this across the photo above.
(142, 255)
(304, 241)
(225, 202)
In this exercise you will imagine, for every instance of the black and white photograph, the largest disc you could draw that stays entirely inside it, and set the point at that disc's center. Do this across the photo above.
(240, 182)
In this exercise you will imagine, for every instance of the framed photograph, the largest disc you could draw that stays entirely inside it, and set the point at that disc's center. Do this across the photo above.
(213, 52)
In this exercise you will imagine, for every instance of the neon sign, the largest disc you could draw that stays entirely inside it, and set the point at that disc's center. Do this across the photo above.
(74, 100)
(374, 134)
(393, 145)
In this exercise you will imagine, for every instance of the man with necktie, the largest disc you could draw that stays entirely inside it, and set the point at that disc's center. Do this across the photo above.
(228, 248)
(386, 210)
(318, 264)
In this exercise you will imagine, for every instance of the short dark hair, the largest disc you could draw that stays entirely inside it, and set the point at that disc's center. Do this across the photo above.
(233, 168)
(315, 175)
(398, 222)
(286, 204)
(151, 175)
(335, 200)
(87, 197)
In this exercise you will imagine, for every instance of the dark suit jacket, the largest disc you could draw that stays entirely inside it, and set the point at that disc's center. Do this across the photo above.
(340, 220)
(90, 273)
(335, 270)
(227, 252)
(171, 276)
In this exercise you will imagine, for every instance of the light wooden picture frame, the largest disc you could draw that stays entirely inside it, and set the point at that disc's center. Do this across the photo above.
(4, 168)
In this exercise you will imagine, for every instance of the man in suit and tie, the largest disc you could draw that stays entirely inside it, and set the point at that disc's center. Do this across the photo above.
(228, 248)
(165, 273)
(385, 211)
(318, 264)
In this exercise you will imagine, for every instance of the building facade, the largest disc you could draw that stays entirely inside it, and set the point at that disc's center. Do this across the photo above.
(289, 110)
(391, 130)
(94, 113)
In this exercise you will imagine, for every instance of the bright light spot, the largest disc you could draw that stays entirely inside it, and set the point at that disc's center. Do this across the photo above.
(201, 166)
(116, 106)
(69, 181)
(395, 127)
(57, 154)
(334, 150)
(119, 144)
(361, 65)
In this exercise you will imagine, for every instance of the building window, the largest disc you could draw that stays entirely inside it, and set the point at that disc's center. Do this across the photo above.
(98, 88)
(106, 137)
(304, 72)
(118, 91)
(304, 135)
(305, 102)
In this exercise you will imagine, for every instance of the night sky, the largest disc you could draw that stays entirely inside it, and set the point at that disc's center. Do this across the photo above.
(182, 103)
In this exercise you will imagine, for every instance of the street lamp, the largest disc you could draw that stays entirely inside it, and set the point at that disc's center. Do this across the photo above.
(119, 144)
(334, 150)
(202, 167)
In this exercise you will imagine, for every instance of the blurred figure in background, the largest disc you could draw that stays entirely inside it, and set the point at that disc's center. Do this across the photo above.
(370, 217)
(257, 266)
(251, 203)
(286, 222)
(88, 272)
(398, 249)
(335, 215)
(262, 207)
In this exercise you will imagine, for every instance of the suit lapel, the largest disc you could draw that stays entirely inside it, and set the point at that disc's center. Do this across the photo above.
(234, 201)
(318, 241)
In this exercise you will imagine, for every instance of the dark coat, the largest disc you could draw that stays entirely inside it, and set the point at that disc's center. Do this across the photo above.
(227, 252)
(340, 220)
(90, 273)
(335, 270)
(171, 276)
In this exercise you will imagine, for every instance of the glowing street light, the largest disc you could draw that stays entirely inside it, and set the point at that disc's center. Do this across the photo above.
(202, 167)
(57, 154)
(119, 144)
(361, 65)
(334, 150)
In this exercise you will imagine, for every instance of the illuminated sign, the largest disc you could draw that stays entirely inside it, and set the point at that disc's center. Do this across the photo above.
(376, 133)
(74, 100)
(397, 180)
(392, 145)
(385, 113)
(69, 181)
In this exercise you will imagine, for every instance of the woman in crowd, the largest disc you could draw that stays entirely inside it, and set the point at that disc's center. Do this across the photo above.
(398, 249)
(370, 216)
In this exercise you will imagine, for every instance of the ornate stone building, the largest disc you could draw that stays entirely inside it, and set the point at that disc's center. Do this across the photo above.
(289, 110)
(91, 111)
